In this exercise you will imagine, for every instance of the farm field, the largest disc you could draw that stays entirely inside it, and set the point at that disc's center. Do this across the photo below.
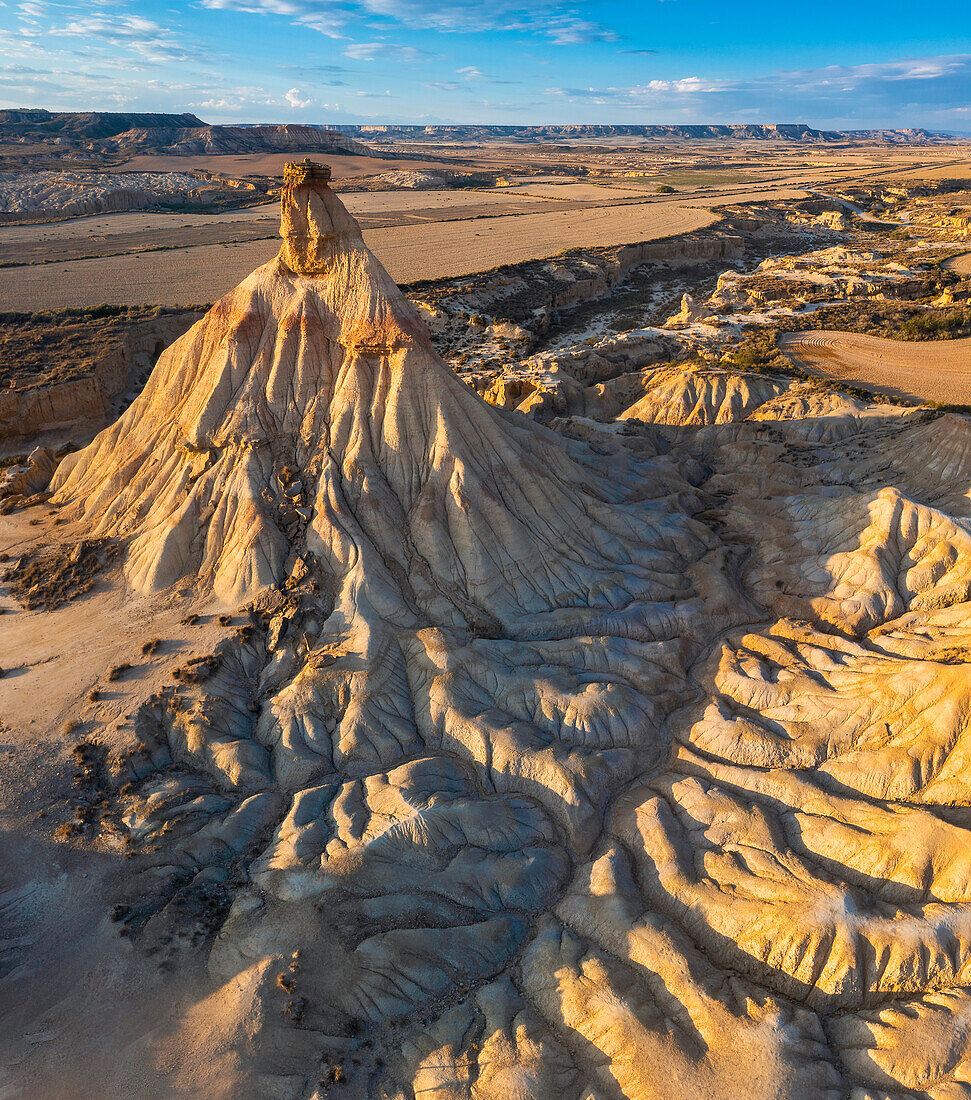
(938, 370)
(343, 166)
(433, 250)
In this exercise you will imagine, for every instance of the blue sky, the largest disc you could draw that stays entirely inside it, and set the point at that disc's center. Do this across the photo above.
(829, 63)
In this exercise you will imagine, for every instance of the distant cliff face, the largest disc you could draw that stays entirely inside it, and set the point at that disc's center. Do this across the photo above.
(117, 133)
(21, 125)
(201, 139)
(779, 131)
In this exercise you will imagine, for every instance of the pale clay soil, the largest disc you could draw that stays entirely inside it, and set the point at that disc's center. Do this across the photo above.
(344, 166)
(362, 202)
(960, 264)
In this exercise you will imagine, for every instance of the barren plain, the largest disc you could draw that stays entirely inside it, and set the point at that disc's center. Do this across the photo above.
(547, 680)
(434, 249)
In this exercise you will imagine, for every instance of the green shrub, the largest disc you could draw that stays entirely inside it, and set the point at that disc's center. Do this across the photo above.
(926, 326)
(747, 358)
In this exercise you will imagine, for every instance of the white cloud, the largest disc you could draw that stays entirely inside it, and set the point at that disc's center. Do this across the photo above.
(650, 94)
(569, 30)
(321, 17)
(384, 51)
(295, 98)
(331, 25)
(542, 18)
(473, 74)
(85, 54)
(687, 85)
(898, 92)
(847, 77)
(143, 36)
(114, 27)
(257, 7)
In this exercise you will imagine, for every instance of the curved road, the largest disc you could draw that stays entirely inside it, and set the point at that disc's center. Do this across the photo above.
(928, 370)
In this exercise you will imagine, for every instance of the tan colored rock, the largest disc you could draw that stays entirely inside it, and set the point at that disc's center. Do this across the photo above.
(623, 762)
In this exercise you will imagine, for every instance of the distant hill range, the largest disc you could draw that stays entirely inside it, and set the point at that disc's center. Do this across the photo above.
(109, 135)
(68, 127)
(45, 138)
(794, 132)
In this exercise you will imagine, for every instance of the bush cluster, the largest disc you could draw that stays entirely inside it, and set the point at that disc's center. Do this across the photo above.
(759, 355)
(100, 312)
(928, 326)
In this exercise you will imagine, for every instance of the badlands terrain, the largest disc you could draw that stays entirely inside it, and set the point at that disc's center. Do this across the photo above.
(544, 681)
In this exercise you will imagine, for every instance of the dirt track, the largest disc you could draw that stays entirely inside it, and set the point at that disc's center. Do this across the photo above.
(425, 251)
(938, 370)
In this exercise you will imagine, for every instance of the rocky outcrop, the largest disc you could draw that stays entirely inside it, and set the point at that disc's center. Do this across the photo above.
(76, 194)
(439, 568)
(88, 399)
(221, 140)
(532, 292)
(66, 126)
(429, 179)
(28, 478)
(110, 136)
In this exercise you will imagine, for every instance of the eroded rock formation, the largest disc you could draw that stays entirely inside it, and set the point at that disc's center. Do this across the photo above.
(77, 194)
(620, 762)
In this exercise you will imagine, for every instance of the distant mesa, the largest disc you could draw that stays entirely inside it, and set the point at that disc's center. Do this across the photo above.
(789, 132)
(111, 136)
(86, 125)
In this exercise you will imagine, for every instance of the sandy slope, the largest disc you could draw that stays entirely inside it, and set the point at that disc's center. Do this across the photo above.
(925, 370)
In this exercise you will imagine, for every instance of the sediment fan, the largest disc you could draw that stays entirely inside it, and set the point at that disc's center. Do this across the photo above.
(495, 799)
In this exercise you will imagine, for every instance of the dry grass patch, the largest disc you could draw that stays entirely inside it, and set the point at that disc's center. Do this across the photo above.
(50, 576)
